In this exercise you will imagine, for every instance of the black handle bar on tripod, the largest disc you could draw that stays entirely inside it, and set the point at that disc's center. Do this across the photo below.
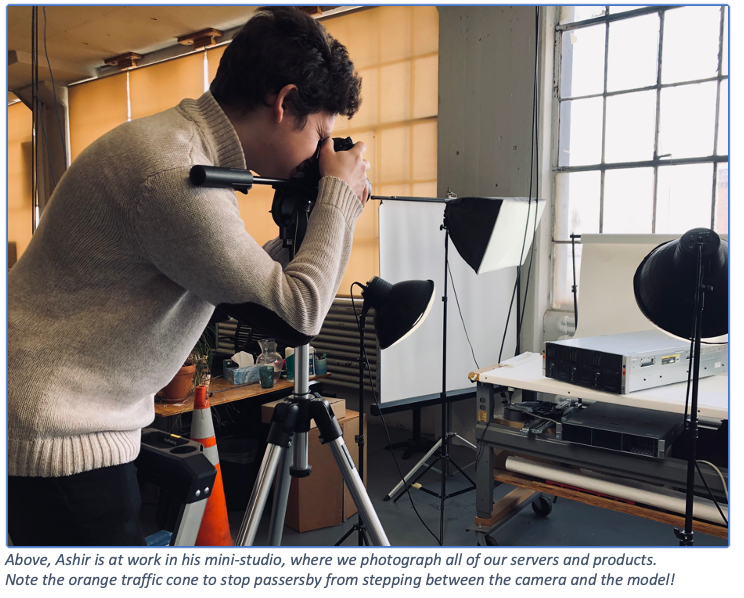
(243, 181)
(232, 178)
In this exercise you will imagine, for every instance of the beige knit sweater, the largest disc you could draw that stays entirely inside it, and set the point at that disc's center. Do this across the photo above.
(122, 276)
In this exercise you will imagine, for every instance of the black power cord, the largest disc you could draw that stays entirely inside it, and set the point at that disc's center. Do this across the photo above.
(536, 152)
(517, 283)
(54, 90)
(467, 336)
(534, 157)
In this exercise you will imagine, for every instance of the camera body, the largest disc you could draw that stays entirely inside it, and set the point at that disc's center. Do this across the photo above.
(294, 201)
(294, 198)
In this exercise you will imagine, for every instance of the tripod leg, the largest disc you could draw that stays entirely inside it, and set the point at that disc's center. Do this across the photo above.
(358, 492)
(257, 503)
(281, 495)
(283, 423)
(401, 485)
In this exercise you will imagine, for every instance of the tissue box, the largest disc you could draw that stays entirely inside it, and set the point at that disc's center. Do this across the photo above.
(246, 375)
(228, 364)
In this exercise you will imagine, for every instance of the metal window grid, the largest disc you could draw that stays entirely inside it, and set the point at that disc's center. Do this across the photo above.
(714, 159)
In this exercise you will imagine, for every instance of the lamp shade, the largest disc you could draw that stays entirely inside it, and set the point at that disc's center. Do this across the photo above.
(399, 308)
(664, 284)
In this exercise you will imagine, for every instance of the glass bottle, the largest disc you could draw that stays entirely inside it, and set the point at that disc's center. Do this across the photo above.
(269, 356)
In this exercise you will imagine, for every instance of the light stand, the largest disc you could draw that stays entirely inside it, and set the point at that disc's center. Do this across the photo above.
(666, 285)
(359, 527)
(446, 416)
(399, 310)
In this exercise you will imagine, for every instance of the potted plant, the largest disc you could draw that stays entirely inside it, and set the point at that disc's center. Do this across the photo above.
(201, 356)
(196, 371)
(178, 389)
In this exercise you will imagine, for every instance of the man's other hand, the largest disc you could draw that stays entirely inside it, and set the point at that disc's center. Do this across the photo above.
(346, 165)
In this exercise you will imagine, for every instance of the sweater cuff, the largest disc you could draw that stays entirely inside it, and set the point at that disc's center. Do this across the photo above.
(336, 192)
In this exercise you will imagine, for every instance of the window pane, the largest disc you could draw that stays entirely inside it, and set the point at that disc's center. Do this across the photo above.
(630, 127)
(580, 132)
(582, 61)
(628, 201)
(724, 65)
(691, 37)
(633, 53)
(722, 200)
(576, 203)
(683, 198)
(722, 149)
(572, 14)
(687, 120)
(616, 9)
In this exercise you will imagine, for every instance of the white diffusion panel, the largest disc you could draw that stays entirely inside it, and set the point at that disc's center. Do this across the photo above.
(412, 247)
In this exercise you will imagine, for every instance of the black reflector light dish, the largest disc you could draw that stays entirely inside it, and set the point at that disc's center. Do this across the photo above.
(664, 285)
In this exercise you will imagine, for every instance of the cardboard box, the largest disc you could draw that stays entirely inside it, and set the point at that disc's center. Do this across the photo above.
(338, 406)
(322, 499)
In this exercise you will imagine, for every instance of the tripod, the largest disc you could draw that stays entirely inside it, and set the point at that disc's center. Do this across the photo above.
(290, 424)
(443, 445)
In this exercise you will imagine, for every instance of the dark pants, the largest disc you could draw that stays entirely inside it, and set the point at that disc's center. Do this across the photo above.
(94, 508)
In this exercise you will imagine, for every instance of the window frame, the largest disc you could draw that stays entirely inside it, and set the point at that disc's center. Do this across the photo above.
(714, 159)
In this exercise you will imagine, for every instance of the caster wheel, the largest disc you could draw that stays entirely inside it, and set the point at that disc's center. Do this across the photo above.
(486, 540)
(542, 506)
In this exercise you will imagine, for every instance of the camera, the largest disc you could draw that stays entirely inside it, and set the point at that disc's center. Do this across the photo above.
(293, 202)
(294, 198)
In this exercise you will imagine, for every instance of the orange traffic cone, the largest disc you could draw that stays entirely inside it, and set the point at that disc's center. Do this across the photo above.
(215, 529)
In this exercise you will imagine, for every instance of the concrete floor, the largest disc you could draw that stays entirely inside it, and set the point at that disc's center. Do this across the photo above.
(570, 523)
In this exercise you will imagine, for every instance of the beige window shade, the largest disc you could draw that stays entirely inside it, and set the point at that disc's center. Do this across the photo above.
(396, 51)
(155, 88)
(20, 203)
(96, 108)
(213, 58)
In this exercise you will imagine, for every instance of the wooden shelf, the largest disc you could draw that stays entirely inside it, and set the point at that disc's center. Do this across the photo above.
(521, 481)
(221, 391)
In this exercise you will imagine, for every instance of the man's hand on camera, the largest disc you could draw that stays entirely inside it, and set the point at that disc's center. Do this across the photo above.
(348, 166)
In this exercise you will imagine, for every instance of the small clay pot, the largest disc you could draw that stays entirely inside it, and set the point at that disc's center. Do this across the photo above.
(178, 389)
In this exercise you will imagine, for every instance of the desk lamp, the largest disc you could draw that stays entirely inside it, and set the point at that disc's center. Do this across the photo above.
(399, 310)
(682, 287)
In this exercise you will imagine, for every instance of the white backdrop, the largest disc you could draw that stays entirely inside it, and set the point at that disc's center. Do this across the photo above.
(412, 247)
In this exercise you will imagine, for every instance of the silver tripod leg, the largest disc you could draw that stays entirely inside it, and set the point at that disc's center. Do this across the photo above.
(410, 474)
(256, 505)
(281, 496)
(358, 492)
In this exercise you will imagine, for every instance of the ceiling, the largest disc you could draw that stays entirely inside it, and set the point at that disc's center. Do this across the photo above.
(80, 38)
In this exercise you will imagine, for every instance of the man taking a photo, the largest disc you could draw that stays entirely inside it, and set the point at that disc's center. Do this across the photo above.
(130, 259)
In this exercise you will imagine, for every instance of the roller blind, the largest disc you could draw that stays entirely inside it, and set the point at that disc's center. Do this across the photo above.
(394, 48)
(20, 204)
(213, 58)
(396, 51)
(155, 88)
(96, 107)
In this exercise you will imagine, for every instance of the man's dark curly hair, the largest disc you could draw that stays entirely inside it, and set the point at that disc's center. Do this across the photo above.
(281, 46)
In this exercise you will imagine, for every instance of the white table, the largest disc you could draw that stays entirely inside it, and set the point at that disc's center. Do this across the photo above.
(526, 372)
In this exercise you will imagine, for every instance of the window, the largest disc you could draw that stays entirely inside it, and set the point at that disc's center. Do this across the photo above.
(642, 109)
